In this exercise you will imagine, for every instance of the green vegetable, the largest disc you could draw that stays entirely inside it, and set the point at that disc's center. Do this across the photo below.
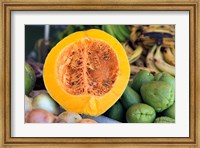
(164, 119)
(130, 97)
(30, 78)
(170, 112)
(140, 113)
(141, 77)
(158, 94)
(165, 77)
(116, 112)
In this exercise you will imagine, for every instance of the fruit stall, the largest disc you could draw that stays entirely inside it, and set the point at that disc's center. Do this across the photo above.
(99, 74)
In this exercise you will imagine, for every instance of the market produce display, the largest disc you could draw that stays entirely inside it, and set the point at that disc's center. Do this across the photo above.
(104, 74)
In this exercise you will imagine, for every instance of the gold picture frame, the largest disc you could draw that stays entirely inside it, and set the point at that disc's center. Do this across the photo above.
(157, 5)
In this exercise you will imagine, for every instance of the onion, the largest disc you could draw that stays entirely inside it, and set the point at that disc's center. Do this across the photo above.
(40, 116)
(27, 104)
(44, 101)
(69, 117)
(35, 93)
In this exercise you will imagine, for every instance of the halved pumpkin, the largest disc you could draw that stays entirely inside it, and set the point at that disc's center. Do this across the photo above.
(87, 72)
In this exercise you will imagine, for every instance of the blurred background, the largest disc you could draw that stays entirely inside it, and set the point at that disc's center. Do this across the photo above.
(39, 39)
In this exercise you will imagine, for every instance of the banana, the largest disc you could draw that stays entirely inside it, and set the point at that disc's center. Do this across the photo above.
(124, 30)
(173, 51)
(150, 59)
(109, 29)
(139, 62)
(133, 55)
(161, 64)
(155, 26)
(103, 28)
(159, 30)
(147, 47)
(120, 37)
(133, 35)
(134, 28)
(163, 27)
(169, 27)
(144, 28)
(136, 69)
(136, 54)
(168, 42)
(168, 56)
(113, 30)
(149, 41)
(128, 49)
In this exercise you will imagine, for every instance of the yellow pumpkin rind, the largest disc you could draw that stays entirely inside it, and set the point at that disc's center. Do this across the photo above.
(86, 104)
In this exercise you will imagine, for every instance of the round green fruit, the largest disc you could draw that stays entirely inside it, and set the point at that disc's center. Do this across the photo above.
(164, 119)
(170, 112)
(116, 112)
(158, 94)
(130, 97)
(30, 78)
(165, 77)
(141, 77)
(140, 113)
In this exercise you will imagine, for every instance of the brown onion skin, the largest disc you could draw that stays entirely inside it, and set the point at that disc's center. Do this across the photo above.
(40, 116)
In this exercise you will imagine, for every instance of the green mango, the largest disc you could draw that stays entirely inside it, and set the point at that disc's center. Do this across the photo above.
(158, 94)
(164, 119)
(130, 97)
(30, 78)
(140, 113)
(170, 112)
(141, 77)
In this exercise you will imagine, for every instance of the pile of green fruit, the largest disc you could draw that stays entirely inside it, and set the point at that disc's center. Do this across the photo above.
(146, 99)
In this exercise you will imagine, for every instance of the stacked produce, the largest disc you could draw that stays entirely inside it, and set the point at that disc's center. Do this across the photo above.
(129, 76)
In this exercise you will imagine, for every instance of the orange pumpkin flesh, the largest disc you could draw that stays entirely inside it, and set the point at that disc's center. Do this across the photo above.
(88, 66)
(87, 72)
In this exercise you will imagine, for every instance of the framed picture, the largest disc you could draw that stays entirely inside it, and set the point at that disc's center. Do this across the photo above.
(65, 64)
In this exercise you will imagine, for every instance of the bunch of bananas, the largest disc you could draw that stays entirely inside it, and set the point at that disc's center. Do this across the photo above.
(161, 61)
(152, 33)
(133, 54)
(159, 43)
(120, 32)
